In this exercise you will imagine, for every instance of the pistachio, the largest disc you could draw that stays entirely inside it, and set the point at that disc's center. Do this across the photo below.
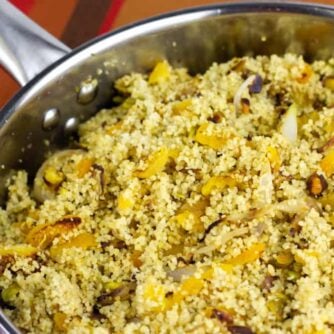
(9, 294)
(292, 275)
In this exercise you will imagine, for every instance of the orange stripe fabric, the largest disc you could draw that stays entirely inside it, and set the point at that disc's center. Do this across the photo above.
(81, 26)
(8, 87)
(24, 6)
(53, 15)
(112, 13)
(134, 10)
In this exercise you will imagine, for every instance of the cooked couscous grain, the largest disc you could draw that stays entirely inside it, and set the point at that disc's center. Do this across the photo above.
(198, 204)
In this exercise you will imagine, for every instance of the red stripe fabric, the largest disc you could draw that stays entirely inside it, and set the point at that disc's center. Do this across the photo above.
(25, 6)
(111, 15)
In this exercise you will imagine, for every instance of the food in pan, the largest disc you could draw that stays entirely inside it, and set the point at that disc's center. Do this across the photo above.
(198, 204)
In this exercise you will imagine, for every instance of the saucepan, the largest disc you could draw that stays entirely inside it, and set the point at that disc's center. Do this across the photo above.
(62, 88)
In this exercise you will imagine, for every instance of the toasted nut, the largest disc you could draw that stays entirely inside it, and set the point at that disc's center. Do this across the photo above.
(222, 315)
(135, 257)
(268, 282)
(239, 330)
(216, 118)
(245, 106)
(316, 184)
(123, 292)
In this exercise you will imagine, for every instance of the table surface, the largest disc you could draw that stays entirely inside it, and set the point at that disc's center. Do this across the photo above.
(76, 21)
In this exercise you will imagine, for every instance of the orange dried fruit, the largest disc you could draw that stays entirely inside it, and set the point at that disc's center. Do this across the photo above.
(156, 163)
(41, 236)
(218, 183)
(248, 256)
(84, 240)
(213, 140)
(160, 73)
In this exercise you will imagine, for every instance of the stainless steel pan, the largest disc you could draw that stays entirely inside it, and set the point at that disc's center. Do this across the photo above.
(62, 87)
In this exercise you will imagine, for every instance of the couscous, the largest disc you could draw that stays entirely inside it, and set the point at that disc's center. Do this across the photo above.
(198, 204)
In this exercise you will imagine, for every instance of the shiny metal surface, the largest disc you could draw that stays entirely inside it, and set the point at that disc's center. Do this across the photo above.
(6, 327)
(51, 119)
(25, 48)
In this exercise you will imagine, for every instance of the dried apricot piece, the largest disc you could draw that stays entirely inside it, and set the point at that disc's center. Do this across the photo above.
(160, 73)
(189, 216)
(327, 163)
(215, 141)
(84, 240)
(218, 183)
(125, 201)
(19, 250)
(156, 163)
(274, 158)
(41, 236)
(248, 256)
(83, 166)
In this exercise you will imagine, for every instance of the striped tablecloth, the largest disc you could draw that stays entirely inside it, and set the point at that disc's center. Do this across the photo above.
(76, 21)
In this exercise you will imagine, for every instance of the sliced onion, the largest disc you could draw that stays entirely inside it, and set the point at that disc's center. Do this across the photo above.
(124, 292)
(179, 273)
(289, 128)
(266, 188)
(248, 215)
(292, 206)
(41, 191)
(225, 238)
(240, 91)
(259, 229)
(235, 233)
(205, 249)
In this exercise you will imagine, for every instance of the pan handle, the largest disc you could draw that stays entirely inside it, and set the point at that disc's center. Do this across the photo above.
(25, 48)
